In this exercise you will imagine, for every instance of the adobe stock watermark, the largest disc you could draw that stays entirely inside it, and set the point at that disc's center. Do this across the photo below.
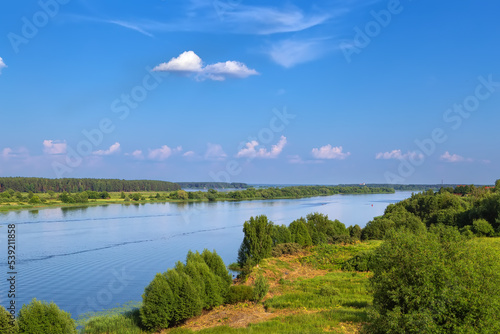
(118, 282)
(32, 25)
(94, 137)
(364, 36)
(454, 117)
(266, 135)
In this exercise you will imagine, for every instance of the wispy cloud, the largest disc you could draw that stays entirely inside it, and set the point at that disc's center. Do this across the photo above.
(189, 62)
(115, 148)
(454, 158)
(129, 25)
(163, 152)
(54, 146)
(290, 52)
(2, 65)
(251, 151)
(215, 152)
(398, 154)
(330, 152)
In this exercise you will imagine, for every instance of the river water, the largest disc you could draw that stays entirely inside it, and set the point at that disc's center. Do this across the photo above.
(94, 258)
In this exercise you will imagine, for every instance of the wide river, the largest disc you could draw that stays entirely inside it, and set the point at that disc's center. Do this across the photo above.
(94, 258)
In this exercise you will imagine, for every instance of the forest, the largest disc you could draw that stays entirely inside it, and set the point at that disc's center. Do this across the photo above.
(72, 185)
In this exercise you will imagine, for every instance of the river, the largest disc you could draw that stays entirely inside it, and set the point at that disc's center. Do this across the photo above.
(94, 258)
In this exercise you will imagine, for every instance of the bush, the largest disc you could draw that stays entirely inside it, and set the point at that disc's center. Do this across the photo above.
(157, 304)
(260, 288)
(482, 228)
(289, 248)
(34, 200)
(44, 318)
(239, 293)
(435, 282)
(328, 290)
(359, 262)
(127, 323)
(6, 326)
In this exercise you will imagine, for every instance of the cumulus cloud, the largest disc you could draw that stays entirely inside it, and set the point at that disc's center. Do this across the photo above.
(163, 152)
(189, 62)
(251, 151)
(397, 154)
(453, 157)
(214, 152)
(2, 65)
(112, 149)
(329, 152)
(54, 146)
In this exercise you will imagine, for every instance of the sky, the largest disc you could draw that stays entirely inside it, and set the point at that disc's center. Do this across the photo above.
(287, 92)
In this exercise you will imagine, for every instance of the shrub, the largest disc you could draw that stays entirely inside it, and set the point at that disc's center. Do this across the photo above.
(482, 228)
(289, 248)
(127, 323)
(435, 282)
(44, 318)
(34, 200)
(186, 299)
(260, 288)
(328, 290)
(6, 326)
(359, 262)
(157, 304)
(239, 293)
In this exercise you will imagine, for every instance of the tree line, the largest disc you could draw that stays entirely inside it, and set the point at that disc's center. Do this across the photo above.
(212, 185)
(73, 185)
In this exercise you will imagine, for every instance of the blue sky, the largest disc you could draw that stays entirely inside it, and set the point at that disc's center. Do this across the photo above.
(248, 91)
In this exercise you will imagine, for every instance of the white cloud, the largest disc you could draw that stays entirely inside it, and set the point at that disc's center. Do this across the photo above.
(454, 157)
(189, 154)
(190, 63)
(250, 150)
(219, 71)
(397, 154)
(8, 153)
(54, 146)
(215, 152)
(137, 154)
(2, 65)
(329, 152)
(163, 152)
(112, 149)
(291, 52)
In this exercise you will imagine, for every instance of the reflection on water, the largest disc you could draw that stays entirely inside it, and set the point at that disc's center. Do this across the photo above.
(72, 255)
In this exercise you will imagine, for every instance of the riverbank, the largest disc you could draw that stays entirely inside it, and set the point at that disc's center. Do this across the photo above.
(46, 200)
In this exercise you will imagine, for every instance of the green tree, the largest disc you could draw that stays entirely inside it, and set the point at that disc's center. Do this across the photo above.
(497, 186)
(44, 318)
(7, 325)
(300, 233)
(157, 304)
(354, 231)
(260, 288)
(257, 243)
(435, 283)
(280, 234)
(186, 299)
